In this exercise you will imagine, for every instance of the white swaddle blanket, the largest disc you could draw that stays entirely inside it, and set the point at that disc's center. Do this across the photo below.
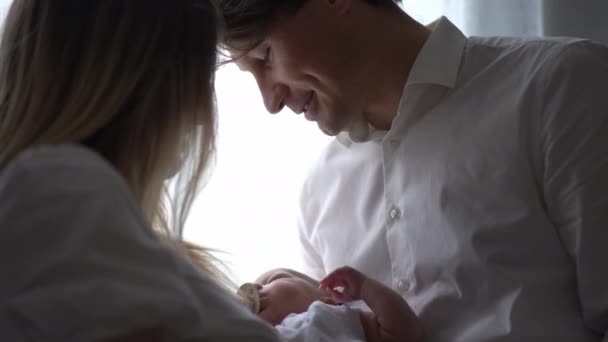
(323, 323)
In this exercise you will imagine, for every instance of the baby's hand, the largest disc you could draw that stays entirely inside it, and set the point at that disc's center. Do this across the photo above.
(344, 284)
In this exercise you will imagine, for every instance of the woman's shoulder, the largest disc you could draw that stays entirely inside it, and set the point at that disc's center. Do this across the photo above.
(64, 156)
(66, 166)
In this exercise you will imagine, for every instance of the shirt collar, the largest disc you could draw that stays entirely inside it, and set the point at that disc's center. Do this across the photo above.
(438, 63)
(439, 59)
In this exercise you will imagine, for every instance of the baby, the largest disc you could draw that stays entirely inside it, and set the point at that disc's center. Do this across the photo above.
(303, 309)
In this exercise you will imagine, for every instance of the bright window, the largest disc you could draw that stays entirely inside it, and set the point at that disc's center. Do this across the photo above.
(248, 208)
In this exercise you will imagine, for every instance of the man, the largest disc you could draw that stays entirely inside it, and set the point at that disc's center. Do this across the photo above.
(467, 173)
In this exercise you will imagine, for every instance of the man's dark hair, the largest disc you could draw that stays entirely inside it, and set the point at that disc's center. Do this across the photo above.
(248, 22)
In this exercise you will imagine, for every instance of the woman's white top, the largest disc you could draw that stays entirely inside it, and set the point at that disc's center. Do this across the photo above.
(77, 262)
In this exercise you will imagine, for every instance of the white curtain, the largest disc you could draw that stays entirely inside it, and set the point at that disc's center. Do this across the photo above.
(586, 19)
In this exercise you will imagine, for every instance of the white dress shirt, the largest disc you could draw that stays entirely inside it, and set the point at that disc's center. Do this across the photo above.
(486, 203)
(77, 262)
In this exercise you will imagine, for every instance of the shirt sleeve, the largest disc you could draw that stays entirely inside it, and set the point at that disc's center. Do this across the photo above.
(79, 264)
(574, 145)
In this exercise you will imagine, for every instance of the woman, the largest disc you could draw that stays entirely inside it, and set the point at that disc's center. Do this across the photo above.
(102, 101)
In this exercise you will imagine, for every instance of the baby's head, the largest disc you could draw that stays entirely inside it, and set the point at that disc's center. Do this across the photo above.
(281, 292)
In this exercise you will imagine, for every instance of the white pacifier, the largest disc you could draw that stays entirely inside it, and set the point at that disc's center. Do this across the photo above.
(250, 296)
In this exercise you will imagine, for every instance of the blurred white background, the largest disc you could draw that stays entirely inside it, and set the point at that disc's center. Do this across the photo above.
(248, 209)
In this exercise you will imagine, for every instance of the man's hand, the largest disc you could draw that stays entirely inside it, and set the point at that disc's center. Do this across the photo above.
(344, 284)
(391, 318)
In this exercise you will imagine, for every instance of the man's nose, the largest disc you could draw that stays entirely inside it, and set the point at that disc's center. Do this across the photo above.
(275, 95)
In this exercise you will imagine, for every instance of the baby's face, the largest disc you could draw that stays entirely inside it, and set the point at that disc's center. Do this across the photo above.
(283, 292)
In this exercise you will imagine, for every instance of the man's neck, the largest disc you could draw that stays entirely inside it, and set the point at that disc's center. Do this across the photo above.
(396, 41)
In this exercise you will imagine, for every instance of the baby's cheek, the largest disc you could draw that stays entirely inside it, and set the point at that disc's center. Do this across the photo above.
(300, 303)
(268, 315)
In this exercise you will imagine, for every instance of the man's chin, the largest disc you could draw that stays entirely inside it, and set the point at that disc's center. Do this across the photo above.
(331, 133)
(330, 129)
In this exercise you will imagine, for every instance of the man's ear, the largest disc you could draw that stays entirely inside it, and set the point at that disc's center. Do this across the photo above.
(342, 6)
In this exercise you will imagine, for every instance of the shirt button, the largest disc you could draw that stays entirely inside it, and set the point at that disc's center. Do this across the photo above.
(394, 213)
(403, 285)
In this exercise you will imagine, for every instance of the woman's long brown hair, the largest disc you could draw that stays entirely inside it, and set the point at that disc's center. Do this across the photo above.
(130, 79)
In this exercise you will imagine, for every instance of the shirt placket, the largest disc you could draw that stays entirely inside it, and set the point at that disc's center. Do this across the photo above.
(399, 249)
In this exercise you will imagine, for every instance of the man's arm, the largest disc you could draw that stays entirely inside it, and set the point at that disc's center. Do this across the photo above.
(391, 318)
(574, 154)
